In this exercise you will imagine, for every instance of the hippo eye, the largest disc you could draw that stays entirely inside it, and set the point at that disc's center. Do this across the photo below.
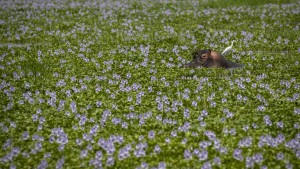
(203, 56)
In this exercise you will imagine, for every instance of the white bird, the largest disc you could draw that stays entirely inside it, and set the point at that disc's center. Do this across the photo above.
(227, 49)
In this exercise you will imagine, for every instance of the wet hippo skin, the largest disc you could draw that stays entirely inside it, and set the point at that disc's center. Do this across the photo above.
(209, 58)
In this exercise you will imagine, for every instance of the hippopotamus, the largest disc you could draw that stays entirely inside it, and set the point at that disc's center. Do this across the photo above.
(209, 58)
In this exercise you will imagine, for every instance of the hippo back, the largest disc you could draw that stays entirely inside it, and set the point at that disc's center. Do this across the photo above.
(231, 64)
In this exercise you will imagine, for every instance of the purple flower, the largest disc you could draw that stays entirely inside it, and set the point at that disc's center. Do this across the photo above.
(245, 142)
(204, 144)
(217, 161)
(83, 153)
(99, 155)
(167, 140)
(109, 147)
(61, 105)
(141, 145)
(60, 135)
(297, 153)
(249, 162)
(35, 117)
(206, 165)
(237, 154)
(267, 120)
(60, 163)
(261, 108)
(110, 161)
(38, 146)
(25, 135)
(151, 134)
(185, 127)
(124, 153)
(124, 125)
(297, 111)
(116, 121)
(246, 128)
(222, 150)
(12, 166)
(141, 138)
(161, 165)
(15, 151)
(157, 149)
(174, 134)
(289, 166)
(43, 164)
(60, 83)
(144, 165)
(202, 155)
(94, 129)
(61, 147)
(258, 158)
(186, 113)
(38, 137)
(139, 153)
(211, 135)
(280, 156)
(73, 107)
(187, 154)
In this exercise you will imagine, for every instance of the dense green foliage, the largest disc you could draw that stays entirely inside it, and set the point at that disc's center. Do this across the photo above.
(100, 84)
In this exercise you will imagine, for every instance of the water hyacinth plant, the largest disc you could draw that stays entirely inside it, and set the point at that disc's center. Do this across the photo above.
(101, 84)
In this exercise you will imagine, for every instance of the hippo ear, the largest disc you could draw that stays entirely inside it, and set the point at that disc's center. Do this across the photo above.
(209, 50)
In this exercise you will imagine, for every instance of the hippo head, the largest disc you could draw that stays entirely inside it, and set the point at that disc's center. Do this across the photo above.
(200, 58)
